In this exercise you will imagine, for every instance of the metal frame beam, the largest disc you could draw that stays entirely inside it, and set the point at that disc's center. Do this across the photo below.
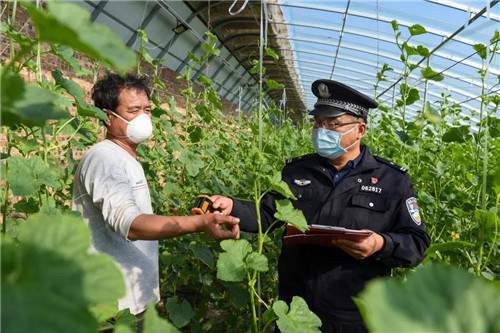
(97, 9)
(191, 17)
(144, 23)
(464, 8)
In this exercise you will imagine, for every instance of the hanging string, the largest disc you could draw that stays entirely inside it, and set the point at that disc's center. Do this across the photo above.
(240, 90)
(261, 63)
(283, 103)
(239, 10)
(378, 34)
(266, 17)
(209, 23)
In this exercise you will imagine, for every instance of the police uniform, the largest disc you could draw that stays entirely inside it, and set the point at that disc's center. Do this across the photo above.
(368, 193)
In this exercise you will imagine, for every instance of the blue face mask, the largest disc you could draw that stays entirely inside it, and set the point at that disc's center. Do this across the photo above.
(327, 142)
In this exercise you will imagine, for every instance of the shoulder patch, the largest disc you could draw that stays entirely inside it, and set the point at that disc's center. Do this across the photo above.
(391, 164)
(413, 210)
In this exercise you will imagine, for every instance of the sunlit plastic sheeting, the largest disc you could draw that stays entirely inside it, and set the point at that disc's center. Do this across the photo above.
(368, 42)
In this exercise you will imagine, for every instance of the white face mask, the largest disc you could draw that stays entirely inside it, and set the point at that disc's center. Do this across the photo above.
(139, 129)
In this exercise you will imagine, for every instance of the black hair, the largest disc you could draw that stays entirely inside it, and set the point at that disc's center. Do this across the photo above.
(106, 90)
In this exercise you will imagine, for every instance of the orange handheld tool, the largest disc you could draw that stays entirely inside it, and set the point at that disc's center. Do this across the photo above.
(202, 205)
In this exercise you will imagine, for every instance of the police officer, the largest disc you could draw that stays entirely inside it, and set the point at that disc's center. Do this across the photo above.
(343, 185)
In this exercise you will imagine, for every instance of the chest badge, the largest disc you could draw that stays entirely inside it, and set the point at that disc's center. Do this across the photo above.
(302, 182)
(374, 180)
(413, 210)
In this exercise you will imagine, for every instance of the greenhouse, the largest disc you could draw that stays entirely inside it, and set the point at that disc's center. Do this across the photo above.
(250, 166)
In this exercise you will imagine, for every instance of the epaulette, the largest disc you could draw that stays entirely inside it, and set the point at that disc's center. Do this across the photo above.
(391, 164)
(299, 158)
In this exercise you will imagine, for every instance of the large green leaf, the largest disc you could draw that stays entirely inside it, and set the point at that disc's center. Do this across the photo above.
(431, 114)
(271, 53)
(408, 95)
(423, 51)
(454, 246)
(456, 134)
(274, 85)
(416, 29)
(299, 319)
(179, 312)
(278, 185)
(153, 323)
(429, 74)
(25, 176)
(66, 53)
(395, 25)
(50, 280)
(410, 50)
(231, 263)
(287, 213)
(257, 262)
(69, 24)
(27, 104)
(203, 253)
(481, 50)
(435, 299)
(70, 86)
(489, 224)
(77, 92)
(192, 162)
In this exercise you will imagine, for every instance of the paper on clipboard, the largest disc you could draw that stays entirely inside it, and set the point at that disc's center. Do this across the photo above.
(322, 235)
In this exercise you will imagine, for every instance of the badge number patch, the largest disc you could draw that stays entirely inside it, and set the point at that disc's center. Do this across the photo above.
(373, 189)
(413, 210)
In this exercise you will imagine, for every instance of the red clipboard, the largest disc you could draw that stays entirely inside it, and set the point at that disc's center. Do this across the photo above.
(321, 235)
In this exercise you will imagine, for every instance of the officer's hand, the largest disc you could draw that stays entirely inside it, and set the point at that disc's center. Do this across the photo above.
(362, 248)
(221, 226)
(223, 203)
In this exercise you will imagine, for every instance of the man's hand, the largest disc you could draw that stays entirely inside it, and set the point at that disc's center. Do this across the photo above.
(223, 203)
(363, 248)
(220, 226)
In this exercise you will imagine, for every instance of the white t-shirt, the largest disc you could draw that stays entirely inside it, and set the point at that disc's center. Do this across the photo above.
(110, 191)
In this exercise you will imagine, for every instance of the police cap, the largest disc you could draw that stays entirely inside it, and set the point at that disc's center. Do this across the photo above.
(335, 99)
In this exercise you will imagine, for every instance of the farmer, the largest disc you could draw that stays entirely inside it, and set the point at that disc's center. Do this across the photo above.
(343, 185)
(111, 192)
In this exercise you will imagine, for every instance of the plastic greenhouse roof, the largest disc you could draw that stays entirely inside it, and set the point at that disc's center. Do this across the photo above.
(346, 40)
(365, 41)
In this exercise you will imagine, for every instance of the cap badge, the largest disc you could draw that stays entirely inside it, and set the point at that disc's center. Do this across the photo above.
(323, 90)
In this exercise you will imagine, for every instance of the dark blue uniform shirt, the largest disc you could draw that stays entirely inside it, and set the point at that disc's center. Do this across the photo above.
(369, 193)
(338, 175)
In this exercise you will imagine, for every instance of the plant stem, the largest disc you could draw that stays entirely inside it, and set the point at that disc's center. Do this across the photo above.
(6, 195)
(11, 22)
(38, 57)
(44, 139)
(251, 290)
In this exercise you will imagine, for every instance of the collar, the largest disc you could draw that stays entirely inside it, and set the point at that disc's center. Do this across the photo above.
(349, 165)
